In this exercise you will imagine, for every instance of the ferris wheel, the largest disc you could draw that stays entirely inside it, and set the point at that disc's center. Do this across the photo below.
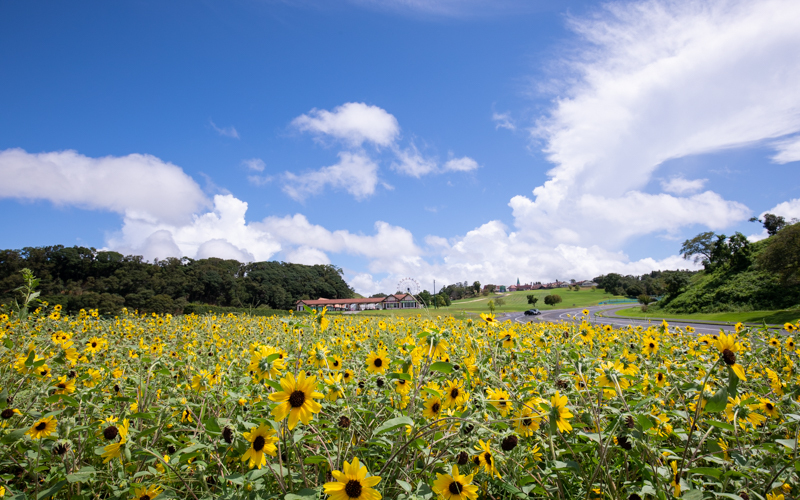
(409, 285)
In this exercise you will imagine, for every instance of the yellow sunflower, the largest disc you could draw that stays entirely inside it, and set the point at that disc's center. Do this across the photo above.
(114, 450)
(64, 386)
(676, 480)
(454, 394)
(727, 346)
(296, 399)
(650, 346)
(560, 413)
(768, 407)
(42, 428)
(377, 363)
(352, 483)
(433, 407)
(489, 319)
(262, 440)
(500, 400)
(486, 459)
(146, 493)
(455, 486)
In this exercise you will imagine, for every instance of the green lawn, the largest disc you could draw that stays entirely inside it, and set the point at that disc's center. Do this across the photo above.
(518, 301)
(770, 317)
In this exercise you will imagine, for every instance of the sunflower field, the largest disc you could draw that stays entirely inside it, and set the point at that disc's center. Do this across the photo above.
(314, 406)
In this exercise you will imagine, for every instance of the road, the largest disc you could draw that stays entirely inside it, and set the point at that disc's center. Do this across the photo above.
(608, 318)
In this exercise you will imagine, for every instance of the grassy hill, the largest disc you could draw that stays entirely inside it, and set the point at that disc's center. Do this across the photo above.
(734, 288)
(518, 301)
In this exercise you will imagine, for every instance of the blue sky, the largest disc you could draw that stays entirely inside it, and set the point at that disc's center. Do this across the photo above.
(448, 140)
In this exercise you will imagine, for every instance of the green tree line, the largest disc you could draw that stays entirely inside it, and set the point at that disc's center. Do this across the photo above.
(85, 278)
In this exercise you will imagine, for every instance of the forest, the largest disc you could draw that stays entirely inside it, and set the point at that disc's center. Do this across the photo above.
(85, 278)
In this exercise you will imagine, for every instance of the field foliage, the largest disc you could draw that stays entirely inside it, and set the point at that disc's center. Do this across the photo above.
(421, 407)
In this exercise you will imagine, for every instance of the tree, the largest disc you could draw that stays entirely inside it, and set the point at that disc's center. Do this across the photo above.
(699, 249)
(490, 305)
(552, 300)
(772, 223)
(644, 299)
(440, 300)
(477, 287)
(500, 302)
(675, 281)
(782, 256)
(532, 299)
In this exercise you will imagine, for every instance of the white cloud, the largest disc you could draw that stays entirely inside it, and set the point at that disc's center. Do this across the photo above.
(679, 185)
(788, 150)
(141, 185)
(465, 164)
(308, 256)
(355, 173)
(788, 209)
(223, 249)
(503, 120)
(410, 162)
(224, 131)
(352, 122)
(254, 164)
(259, 180)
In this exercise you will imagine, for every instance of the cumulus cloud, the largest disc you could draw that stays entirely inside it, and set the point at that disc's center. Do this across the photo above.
(224, 131)
(464, 164)
(141, 185)
(308, 256)
(352, 122)
(355, 173)
(788, 150)
(679, 185)
(411, 162)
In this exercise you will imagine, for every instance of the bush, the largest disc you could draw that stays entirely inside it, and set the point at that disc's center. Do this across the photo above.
(552, 300)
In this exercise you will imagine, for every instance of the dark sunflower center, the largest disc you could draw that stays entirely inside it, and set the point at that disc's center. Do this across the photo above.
(769, 406)
(353, 488)
(455, 488)
(660, 376)
(41, 426)
(652, 345)
(454, 392)
(435, 408)
(488, 458)
(729, 357)
(7, 413)
(62, 385)
(378, 363)
(502, 402)
(110, 432)
(335, 363)
(508, 338)
(94, 344)
(527, 422)
(258, 443)
(297, 399)
(144, 497)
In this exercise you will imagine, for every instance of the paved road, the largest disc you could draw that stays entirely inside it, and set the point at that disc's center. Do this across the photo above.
(609, 318)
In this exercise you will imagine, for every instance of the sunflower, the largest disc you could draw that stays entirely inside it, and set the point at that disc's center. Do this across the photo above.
(500, 400)
(42, 428)
(485, 458)
(455, 486)
(352, 483)
(402, 386)
(433, 407)
(377, 363)
(508, 340)
(661, 379)
(454, 394)
(775, 496)
(676, 479)
(789, 327)
(768, 407)
(335, 387)
(743, 413)
(727, 346)
(64, 386)
(261, 365)
(335, 363)
(114, 450)
(348, 376)
(262, 440)
(489, 319)
(94, 344)
(146, 493)
(527, 421)
(560, 413)
(650, 346)
(296, 399)
(775, 343)
(585, 312)
(790, 343)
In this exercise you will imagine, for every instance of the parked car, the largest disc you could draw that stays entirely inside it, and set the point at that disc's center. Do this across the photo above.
(532, 312)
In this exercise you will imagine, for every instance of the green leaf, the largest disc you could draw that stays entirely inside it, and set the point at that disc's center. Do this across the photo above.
(789, 443)
(404, 485)
(721, 425)
(394, 423)
(82, 475)
(274, 385)
(442, 366)
(644, 421)
(706, 471)
(304, 494)
(717, 402)
(692, 495)
(29, 359)
(13, 436)
(51, 490)
(273, 357)
(315, 459)
(733, 383)
(395, 375)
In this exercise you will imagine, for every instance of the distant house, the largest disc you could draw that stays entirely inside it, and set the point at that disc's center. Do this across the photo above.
(396, 301)
(512, 288)
(489, 288)
(503, 288)
(524, 287)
